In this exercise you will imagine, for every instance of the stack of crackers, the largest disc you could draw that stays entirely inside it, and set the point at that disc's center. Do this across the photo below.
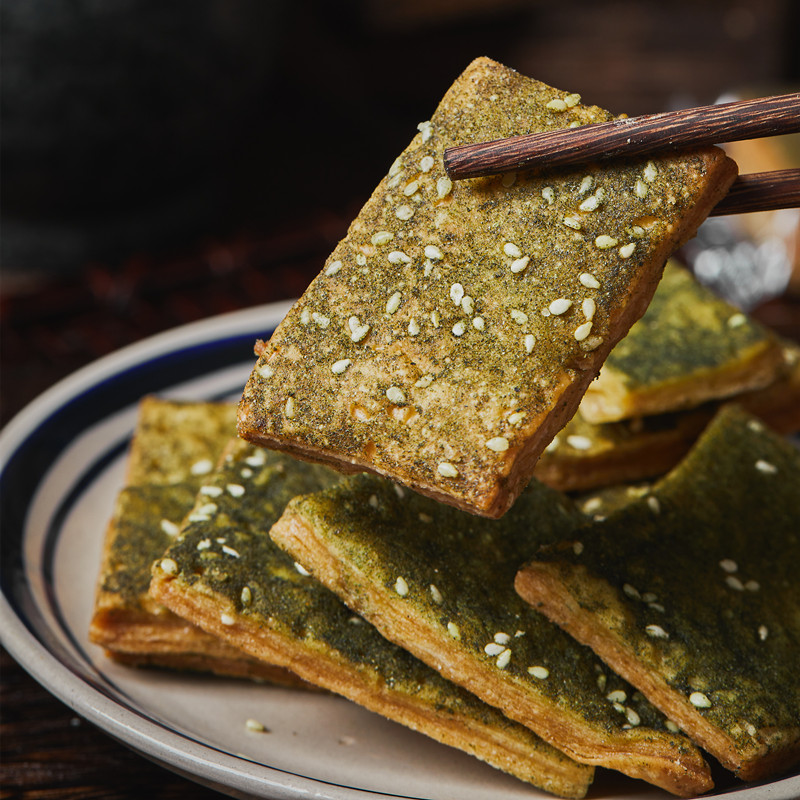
(442, 351)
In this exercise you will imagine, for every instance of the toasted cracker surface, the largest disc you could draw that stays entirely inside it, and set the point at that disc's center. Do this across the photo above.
(225, 574)
(689, 347)
(174, 446)
(692, 594)
(456, 327)
(439, 582)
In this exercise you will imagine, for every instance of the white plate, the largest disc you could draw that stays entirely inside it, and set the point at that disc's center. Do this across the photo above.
(62, 462)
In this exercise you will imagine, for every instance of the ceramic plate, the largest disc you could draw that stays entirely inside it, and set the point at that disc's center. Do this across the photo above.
(62, 462)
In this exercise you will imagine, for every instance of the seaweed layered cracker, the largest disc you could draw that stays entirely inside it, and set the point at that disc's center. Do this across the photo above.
(440, 582)
(692, 594)
(174, 447)
(453, 331)
(689, 347)
(585, 455)
(225, 574)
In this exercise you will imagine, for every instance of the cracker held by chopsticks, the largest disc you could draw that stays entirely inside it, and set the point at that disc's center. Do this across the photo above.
(455, 329)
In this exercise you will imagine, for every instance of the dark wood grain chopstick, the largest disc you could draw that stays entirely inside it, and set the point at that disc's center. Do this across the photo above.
(761, 191)
(693, 127)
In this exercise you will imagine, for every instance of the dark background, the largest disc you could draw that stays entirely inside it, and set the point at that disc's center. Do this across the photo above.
(164, 162)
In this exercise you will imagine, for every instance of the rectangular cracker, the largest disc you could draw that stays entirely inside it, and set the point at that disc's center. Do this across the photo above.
(453, 331)
(173, 445)
(440, 582)
(585, 456)
(692, 594)
(689, 347)
(226, 575)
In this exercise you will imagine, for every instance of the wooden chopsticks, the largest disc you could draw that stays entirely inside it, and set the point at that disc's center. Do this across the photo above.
(693, 127)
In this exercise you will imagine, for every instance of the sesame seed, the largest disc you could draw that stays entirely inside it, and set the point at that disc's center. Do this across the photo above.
(671, 726)
(556, 105)
(457, 293)
(572, 222)
(436, 595)
(426, 164)
(648, 597)
(478, 323)
(699, 700)
(226, 619)
(632, 717)
(590, 203)
(207, 508)
(361, 260)
(553, 444)
(393, 303)
(373, 500)
(728, 565)
(655, 507)
(197, 517)
(202, 467)
(459, 328)
(503, 659)
(735, 320)
(398, 257)
(211, 491)
(357, 330)
(539, 672)
(255, 726)
(413, 327)
(170, 528)
(519, 264)
(443, 187)
(424, 382)
(766, 467)
(656, 631)
(426, 518)
(395, 395)
(577, 548)
(411, 188)
(289, 408)
(169, 565)
(229, 551)
(617, 696)
(579, 442)
(426, 129)
(589, 280)
(467, 304)
(446, 470)
(548, 194)
(453, 630)
(204, 544)
(499, 444)
(637, 231)
(640, 189)
(502, 638)
(582, 331)
(650, 172)
(520, 317)
(588, 306)
(433, 253)
(265, 371)
(516, 417)
(333, 268)
(626, 251)
(493, 649)
(397, 165)
(427, 268)
(301, 569)
(752, 586)
(572, 100)
(529, 342)
(763, 632)
(604, 242)
(382, 237)
(404, 212)
(631, 591)
(586, 184)
(511, 250)
(734, 583)
(257, 459)
(235, 489)
(338, 367)
(559, 306)
(401, 587)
